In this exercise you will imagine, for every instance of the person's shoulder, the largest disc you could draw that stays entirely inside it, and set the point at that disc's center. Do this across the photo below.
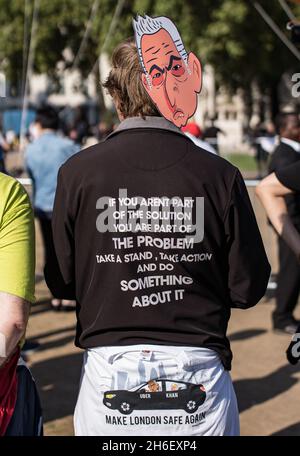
(12, 193)
(83, 158)
(64, 141)
(215, 173)
(210, 160)
(9, 184)
(31, 147)
(283, 155)
(37, 145)
(284, 148)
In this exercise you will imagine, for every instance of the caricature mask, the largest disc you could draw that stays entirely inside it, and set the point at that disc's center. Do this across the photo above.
(171, 77)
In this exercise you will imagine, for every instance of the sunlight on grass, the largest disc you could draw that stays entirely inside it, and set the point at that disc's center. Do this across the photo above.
(242, 161)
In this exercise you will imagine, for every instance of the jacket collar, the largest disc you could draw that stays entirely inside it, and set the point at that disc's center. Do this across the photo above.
(148, 122)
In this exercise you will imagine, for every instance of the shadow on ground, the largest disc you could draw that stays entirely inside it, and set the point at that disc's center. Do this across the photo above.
(54, 332)
(52, 344)
(58, 342)
(57, 381)
(246, 334)
(254, 391)
(293, 430)
(40, 306)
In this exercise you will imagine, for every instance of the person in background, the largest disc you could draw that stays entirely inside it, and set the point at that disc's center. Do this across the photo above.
(20, 411)
(288, 278)
(43, 158)
(72, 134)
(81, 125)
(11, 138)
(4, 147)
(103, 130)
(211, 133)
(269, 138)
(264, 143)
(271, 192)
(193, 131)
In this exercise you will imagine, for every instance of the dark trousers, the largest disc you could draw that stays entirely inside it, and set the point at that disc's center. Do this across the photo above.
(288, 285)
(44, 219)
(27, 417)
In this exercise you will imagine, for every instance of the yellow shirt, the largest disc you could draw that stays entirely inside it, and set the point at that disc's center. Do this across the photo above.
(17, 240)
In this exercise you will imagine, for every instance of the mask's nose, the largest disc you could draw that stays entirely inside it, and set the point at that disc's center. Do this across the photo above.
(170, 90)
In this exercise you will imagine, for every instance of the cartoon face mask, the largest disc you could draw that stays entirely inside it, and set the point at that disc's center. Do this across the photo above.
(171, 77)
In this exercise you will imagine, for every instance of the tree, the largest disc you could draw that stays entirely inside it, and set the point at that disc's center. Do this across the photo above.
(229, 34)
(242, 48)
(61, 25)
(232, 36)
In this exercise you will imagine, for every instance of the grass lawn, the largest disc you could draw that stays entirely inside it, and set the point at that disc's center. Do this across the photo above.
(242, 161)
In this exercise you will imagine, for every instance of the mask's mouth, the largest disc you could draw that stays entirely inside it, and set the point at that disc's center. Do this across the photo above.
(178, 114)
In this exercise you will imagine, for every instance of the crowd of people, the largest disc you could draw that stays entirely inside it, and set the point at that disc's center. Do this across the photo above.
(136, 325)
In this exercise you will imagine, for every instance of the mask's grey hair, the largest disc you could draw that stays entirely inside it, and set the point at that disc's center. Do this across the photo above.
(148, 26)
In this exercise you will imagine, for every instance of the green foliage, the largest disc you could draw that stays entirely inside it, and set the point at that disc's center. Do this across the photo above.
(229, 34)
(242, 47)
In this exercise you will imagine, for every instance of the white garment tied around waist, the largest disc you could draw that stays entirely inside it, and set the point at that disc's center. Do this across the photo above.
(155, 390)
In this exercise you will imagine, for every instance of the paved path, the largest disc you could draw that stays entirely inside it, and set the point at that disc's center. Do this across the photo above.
(268, 389)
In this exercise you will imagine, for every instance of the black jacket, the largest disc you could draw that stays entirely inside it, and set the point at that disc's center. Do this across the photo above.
(289, 177)
(284, 156)
(153, 283)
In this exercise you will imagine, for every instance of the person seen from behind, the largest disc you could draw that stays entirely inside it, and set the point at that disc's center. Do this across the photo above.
(153, 306)
(43, 157)
(288, 277)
